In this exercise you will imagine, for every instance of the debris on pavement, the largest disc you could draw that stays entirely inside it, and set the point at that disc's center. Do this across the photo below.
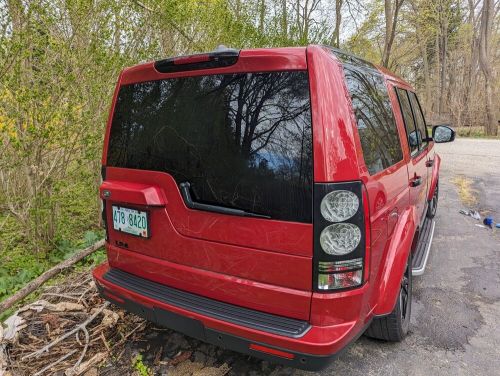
(471, 213)
(488, 221)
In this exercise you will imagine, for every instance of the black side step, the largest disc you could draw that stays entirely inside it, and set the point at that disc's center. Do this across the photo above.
(267, 322)
(424, 246)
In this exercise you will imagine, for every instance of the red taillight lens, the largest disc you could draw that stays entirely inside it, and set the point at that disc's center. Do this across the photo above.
(340, 274)
(103, 204)
(270, 350)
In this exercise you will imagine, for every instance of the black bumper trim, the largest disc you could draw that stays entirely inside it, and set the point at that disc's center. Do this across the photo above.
(266, 322)
(195, 328)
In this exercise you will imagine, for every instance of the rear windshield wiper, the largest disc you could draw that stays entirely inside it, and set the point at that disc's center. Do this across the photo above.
(186, 194)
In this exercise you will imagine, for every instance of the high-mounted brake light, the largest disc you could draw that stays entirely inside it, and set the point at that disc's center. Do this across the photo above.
(191, 59)
(221, 57)
(339, 236)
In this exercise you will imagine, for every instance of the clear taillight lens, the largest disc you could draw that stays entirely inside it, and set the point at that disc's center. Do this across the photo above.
(340, 280)
(340, 274)
(340, 238)
(339, 206)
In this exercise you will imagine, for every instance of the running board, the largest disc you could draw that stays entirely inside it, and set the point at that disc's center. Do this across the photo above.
(424, 246)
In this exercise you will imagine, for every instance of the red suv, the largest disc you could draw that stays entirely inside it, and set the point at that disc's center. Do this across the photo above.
(272, 201)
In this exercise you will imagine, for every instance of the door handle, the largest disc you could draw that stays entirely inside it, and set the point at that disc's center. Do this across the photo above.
(430, 163)
(416, 181)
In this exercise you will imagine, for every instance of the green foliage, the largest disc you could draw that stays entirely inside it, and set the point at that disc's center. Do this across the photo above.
(20, 264)
(140, 367)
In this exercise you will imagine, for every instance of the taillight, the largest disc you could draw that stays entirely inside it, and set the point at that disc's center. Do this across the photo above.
(103, 203)
(221, 57)
(339, 236)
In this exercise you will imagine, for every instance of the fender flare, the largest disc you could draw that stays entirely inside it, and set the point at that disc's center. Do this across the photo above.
(395, 262)
(435, 176)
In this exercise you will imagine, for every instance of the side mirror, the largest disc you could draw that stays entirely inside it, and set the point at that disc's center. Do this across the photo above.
(442, 133)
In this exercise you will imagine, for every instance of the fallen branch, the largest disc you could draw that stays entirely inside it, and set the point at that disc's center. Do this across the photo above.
(37, 282)
(62, 358)
(68, 334)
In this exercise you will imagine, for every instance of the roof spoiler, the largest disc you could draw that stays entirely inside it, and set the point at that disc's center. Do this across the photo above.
(219, 58)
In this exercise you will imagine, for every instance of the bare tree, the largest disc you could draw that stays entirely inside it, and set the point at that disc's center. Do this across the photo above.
(391, 8)
(338, 19)
(485, 31)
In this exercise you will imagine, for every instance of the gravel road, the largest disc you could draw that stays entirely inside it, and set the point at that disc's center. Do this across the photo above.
(456, 305)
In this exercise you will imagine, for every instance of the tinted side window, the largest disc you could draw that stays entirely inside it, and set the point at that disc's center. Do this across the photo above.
(404, 103)
(376, 126)
(419, 120)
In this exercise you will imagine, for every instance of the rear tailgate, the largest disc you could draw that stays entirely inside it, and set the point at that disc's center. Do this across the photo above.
(243, 142)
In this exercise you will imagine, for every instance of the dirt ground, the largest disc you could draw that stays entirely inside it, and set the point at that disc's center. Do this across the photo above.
(455, 310)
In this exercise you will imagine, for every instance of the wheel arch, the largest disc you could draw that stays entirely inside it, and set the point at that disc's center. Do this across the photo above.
(401, 244)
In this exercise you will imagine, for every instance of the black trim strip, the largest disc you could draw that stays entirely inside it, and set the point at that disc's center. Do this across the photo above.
(190, 203)
(275, 324)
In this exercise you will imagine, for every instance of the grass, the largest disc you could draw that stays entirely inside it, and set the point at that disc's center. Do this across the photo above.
(22, 259)
(21, 264)
(475, 132)
(467, 194)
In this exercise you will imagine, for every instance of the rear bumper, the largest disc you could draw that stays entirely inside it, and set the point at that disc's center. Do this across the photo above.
(293, 343)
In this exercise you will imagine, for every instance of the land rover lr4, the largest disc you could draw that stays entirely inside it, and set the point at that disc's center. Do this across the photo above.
(272, 201)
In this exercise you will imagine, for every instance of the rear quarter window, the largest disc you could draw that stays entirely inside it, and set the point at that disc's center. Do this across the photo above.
(374, 116)
(419, 120)
(406, 111)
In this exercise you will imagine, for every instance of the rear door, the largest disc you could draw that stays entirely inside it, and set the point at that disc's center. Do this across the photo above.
(417, 144)
(422, 133)
(228, 153)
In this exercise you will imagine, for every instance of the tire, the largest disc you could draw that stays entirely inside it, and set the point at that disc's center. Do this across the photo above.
(394, 326)
(433, 203)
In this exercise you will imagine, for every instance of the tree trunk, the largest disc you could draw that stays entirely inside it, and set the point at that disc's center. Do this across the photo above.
(486, 28)
(338, 19)
(391, 17)
(262, 15)
(470, 80)
(427, 79)
(15, 8)
(284, 21)
(443, 52)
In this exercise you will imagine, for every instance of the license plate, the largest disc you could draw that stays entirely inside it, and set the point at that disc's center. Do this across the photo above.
(131, 221)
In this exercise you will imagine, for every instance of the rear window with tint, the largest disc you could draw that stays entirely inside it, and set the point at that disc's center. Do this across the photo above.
(241, 140)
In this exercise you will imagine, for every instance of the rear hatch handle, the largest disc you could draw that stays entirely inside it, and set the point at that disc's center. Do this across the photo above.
(186, 195)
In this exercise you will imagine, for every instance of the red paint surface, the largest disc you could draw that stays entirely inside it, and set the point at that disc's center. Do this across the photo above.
(319, 340)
